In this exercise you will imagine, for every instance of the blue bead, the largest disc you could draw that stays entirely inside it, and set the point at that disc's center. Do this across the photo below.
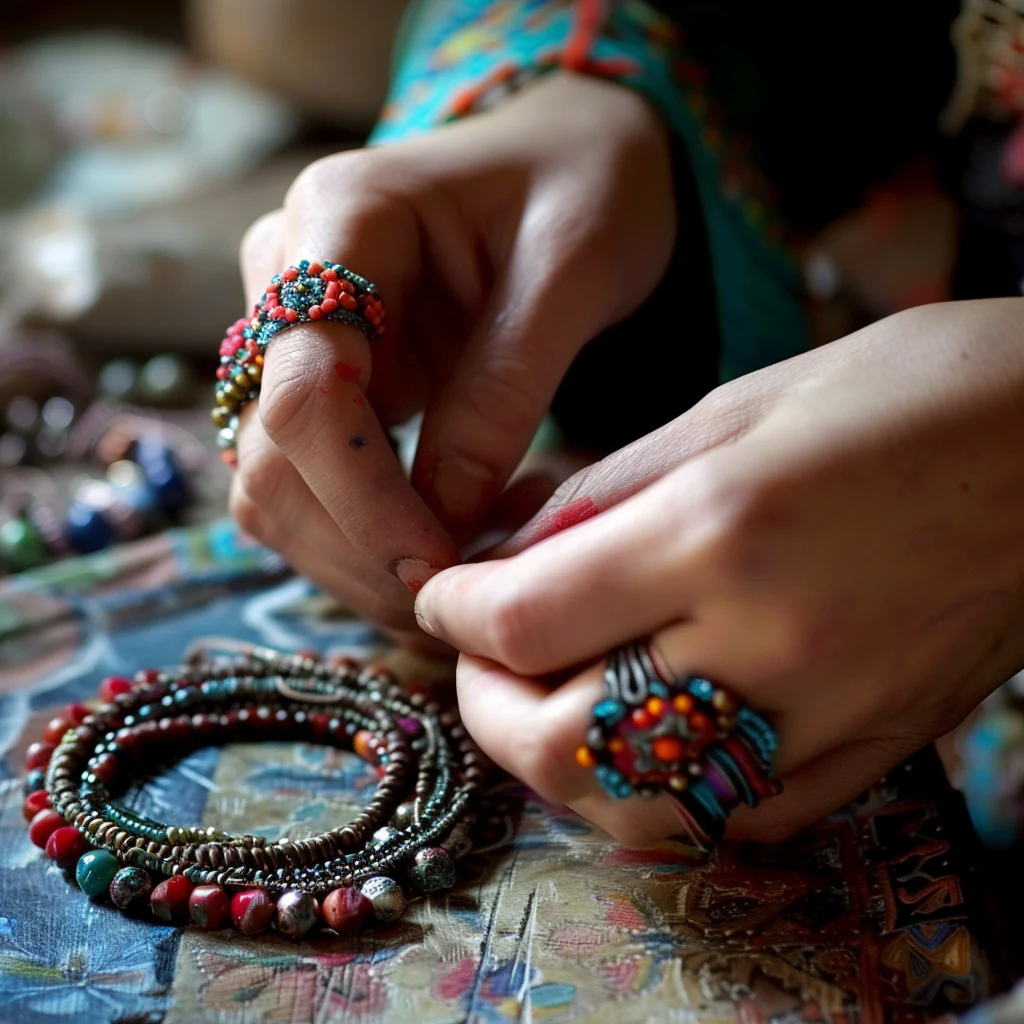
(247, 333)
(659, 689)
(163, 476)
(701, 688)
(88, 529)
(610, 710)
(303, 265)
(95, 871)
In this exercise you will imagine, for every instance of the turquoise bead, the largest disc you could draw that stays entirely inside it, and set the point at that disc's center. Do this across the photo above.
(95, 872)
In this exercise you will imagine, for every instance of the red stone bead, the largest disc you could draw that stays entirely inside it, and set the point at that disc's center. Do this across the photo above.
(65, 845)
(319, 721)
(277, 313)
(208, 907)
(55, 729)
(75, 713)
(315, 312)
(333, 290)
(105, 768)
(329, 275)
(38, 755)
(223, 372)
(35, 802)
(348, 301)
(169, 901)
(314, 269)
(43, 825)
(148, 675)
(346, 910)
(252, 911)
(291, 315)
(112, 686)
(347, 286)
(272, 288)
(290, 274)
(641, 719)
(328, 305)
(362, 744)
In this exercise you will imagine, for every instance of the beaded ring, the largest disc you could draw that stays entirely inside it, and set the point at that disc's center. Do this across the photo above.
(689, 737)
(416, 825)
(303, 293)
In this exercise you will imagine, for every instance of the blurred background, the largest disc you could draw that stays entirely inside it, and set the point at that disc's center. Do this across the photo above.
(137, 143)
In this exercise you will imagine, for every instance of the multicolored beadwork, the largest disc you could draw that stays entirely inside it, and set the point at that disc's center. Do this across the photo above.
(689, 737)
(415, 825)
(304, 293)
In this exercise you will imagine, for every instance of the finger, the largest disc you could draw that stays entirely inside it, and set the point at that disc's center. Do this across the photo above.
(313, 401)
(570, 598)
(272, 502)
(478, 426)
(723, 416)
(261, 254)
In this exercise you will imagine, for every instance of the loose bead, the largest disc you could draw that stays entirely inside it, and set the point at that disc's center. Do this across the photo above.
(252, 911)
(65, 845)
(297, 913)
(38, 755)
(35, 802)
(169, 899)
(43, 825)
(55, 729)
(128, 885)
(95, 871)
(386, 896)
(347, 910)
(209, 907)
(433, 869)
(112, 686)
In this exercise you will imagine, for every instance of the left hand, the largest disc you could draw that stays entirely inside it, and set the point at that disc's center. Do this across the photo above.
(839, 539)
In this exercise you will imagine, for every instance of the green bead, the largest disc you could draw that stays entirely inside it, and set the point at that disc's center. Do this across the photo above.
(95, 872)
(22, 545)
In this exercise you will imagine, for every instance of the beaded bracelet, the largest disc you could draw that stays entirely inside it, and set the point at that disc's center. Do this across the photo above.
(416, 825)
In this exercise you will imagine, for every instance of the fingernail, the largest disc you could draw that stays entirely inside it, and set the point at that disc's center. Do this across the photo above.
(414, 573)
(461, 487)
(424, 624)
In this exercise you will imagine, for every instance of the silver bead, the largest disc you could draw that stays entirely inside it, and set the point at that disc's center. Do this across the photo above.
(386, 896)
(405, 815)
(433, 869)
(381, 836)
(297, 913)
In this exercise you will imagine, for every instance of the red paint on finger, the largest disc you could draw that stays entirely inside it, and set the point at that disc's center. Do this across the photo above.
(347, 372)
(414, 573)
(569, 515)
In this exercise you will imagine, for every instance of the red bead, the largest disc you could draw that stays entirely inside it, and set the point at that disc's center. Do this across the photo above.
(271, 302)
(169, 901)
(668, 748)
(333, 290)
(223, 372)
(315, 312)
(65, 845)
(346, 910)
(277, 313)
(38, 755)
(252, 911)
(329, 275)
(328, 305)
(105, 768)
(43, 825)
(347, 286)
(290, 274)
(362, 745)
(148, 675)
(35, 802)
(55, 729)
(314, 269)
(112, 686)
(348, 301)
(76, 712)
(641, 719)
(208, 907)
(272, 288)
(291, 315)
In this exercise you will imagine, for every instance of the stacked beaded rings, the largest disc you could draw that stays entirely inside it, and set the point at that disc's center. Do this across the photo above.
(303, 293)
(418, 822)
(689, 737)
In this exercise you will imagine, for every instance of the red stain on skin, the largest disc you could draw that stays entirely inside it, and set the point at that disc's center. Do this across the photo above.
(561, 519)
(347, 372)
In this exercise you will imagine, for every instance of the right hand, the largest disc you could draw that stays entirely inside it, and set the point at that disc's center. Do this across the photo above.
(501, 246)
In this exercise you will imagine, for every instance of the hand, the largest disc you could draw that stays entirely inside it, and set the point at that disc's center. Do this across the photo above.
(839, 538)
(501, 245)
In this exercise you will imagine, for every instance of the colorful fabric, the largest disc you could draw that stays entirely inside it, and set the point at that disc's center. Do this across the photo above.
(872, 917)
(459, 56)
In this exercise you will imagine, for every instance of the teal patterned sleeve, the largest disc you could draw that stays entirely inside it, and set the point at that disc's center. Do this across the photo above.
(458, 57)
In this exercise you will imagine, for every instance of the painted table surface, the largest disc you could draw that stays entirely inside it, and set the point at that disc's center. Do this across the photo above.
(869, 918)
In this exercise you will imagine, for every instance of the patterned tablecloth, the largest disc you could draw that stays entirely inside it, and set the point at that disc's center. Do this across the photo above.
(873, 916)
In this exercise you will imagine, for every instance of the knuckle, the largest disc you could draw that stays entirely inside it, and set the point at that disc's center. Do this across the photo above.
(513, 630)
(261, 235)
(353, 174)
(499, 397)
(289, 380)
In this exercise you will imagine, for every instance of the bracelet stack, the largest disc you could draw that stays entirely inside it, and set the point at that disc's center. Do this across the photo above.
(416, 825)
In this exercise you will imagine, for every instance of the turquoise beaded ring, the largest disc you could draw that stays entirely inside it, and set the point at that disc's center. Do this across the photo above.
(305, 293)
(689, 737)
